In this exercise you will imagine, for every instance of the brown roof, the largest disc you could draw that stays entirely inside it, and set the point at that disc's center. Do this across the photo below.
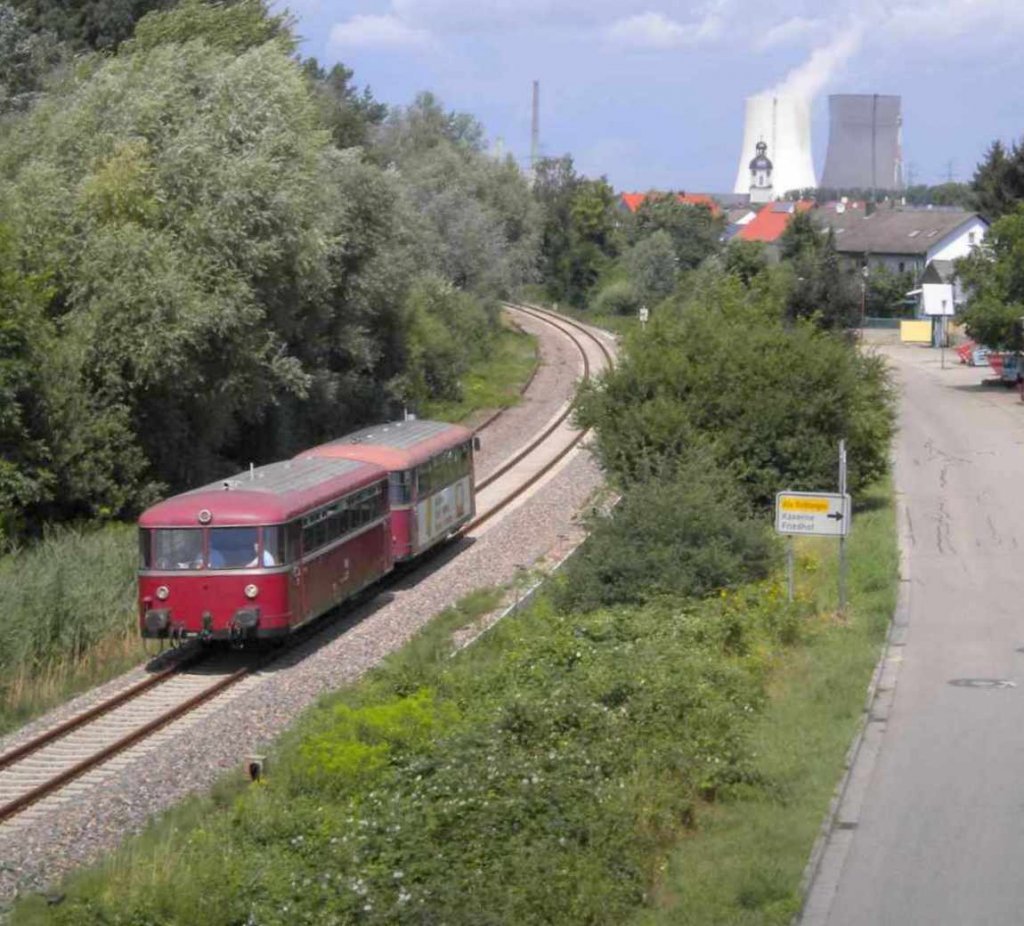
(891, 231)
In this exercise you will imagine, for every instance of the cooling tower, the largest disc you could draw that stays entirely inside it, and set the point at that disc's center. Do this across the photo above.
(784, 124)
(863, 142)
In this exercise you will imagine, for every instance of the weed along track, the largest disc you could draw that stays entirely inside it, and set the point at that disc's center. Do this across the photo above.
(64, 762)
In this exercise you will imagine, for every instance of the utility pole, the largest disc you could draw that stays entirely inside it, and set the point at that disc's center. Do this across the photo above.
(535, 127)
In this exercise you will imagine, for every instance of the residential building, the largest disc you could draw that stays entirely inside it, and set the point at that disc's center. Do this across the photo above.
(901, 239)
(769, 224)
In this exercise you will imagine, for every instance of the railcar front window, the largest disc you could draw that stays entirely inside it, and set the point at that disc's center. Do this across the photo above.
(178, 548)
(234, 547)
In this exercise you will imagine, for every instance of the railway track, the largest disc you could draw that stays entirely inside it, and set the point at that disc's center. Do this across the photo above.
(67, 759)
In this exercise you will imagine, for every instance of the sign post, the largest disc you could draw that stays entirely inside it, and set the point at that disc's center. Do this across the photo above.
(815, 514)
(842, 538)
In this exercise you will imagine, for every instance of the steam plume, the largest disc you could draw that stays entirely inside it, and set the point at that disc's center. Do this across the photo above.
(810, 78)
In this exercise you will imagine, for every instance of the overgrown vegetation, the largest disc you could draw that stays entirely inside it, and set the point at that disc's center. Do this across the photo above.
(994, 278)
(689, 533)
(533, 778)
(721, 372)
(745, 863)
(545, 774)
(68, 604)
(212, 277)
(68, 617)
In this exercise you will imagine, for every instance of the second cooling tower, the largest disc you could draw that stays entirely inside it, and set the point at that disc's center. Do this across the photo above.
(863, 143)
(783, 123)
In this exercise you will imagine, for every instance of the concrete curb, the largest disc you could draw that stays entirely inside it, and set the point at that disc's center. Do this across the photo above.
(824, 867)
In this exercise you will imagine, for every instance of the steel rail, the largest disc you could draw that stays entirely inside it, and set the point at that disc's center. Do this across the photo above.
(34, 745)
(547, 432)
(130, 739)
(97, 710)
(544, 470)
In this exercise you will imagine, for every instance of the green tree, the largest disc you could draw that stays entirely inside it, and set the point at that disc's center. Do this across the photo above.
(579, 232)
(97, 24)
(688, 534)
(821, 289)
(886, 293)
(25, 59)
(26, 339)
(998, 181)
(652, 264)
(721, 372)
(695, 232)
(993, 276)
(175, 196)
(349, 114)
(745, 260)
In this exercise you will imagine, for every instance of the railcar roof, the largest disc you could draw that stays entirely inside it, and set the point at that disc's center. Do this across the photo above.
(395, 445)
(267, 494)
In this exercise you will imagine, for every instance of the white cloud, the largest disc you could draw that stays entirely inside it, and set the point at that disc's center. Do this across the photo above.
(954, 19)
(788, 31)
(655, 30)
(377, 31)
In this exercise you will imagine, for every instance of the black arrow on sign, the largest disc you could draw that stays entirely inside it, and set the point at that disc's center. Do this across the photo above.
(836, 516)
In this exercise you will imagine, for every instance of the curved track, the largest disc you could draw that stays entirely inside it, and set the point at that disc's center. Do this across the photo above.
(53, 760)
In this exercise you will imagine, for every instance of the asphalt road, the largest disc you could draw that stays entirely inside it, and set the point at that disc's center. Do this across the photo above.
(931, 829)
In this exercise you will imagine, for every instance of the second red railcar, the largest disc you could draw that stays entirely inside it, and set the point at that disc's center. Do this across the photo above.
(430, 473)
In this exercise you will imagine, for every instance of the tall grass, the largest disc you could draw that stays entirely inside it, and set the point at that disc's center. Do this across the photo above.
(744, 863)
(493, 383)
(67, 617)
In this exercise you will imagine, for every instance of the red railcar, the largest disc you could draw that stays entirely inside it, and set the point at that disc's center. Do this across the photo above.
(258, 554)
(430, 472)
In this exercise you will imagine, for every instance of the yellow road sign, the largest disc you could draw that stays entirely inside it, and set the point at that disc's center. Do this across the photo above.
(816, 513)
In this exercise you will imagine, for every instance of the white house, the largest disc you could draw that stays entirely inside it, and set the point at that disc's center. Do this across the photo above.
(902, 239)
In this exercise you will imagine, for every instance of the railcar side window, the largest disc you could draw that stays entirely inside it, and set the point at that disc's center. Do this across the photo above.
(274, 552)
(233, 547)
(292, 542)
(443, 470)
(178, 548)
(145, 548)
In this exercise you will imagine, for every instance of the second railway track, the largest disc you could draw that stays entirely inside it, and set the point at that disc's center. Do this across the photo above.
(46, 767)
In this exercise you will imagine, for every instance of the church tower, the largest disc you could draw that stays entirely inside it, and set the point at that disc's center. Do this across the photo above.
(761, 176)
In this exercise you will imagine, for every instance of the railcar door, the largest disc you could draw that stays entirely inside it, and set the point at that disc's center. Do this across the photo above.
(292, 555)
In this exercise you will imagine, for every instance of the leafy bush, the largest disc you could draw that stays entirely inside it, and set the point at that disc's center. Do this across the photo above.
(720, 371)
(618, 298)
(446, 331)
(534, 778)
(687, 535)
(652, 265)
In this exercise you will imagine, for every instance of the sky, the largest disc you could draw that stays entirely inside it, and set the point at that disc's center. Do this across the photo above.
(650, 93)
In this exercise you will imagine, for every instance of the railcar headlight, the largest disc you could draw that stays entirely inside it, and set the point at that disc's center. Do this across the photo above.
(251, 591)
(162, 592)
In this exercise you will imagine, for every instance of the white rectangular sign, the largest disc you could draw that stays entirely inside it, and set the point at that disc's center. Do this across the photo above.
(818, 513)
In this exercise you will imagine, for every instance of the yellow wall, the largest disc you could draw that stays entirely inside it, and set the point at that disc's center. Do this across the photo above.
(916, 332)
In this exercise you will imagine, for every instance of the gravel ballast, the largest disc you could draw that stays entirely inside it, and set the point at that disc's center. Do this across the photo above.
(190, 754)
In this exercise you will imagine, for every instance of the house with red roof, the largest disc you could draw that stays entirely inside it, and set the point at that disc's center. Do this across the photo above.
(769, 224)
(633, 201)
